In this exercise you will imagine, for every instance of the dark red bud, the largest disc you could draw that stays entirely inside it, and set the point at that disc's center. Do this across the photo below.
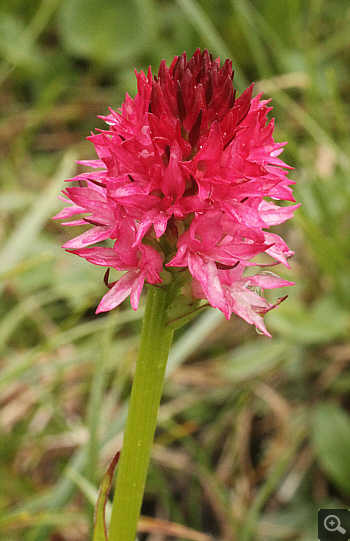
(196, 128)
(243, 102)
(209, 89)
(180, 103)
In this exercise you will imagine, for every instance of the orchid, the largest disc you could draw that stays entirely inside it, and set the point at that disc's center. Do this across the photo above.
(181, 198)
(181, 180)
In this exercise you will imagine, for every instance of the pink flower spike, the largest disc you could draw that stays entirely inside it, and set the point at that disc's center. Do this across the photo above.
(187, 179)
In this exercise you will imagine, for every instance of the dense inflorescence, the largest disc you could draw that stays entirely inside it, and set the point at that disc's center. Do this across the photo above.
(182, 178)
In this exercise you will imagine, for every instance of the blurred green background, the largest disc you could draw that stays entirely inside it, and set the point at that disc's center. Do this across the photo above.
(254, 433)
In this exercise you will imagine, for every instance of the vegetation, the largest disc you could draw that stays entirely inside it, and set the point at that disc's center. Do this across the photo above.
(253, 433)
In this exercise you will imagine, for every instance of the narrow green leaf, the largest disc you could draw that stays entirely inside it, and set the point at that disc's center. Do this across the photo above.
(330, 429)
(23, 237)
(100, 530)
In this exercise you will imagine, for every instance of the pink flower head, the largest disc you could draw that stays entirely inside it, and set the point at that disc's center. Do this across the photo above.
(180, 185)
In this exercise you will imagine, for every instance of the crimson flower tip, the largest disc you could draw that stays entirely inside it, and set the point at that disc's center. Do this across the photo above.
(180, 183)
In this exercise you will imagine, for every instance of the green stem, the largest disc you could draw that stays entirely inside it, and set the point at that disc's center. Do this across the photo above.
(142, 417)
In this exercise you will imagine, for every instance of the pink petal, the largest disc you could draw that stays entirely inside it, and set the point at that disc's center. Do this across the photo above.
(274, 215)
(106, 257)
(173, 184)
(213, 145)
(119, 292)
(136, 291)
(266, 281)
(96, 234)
(249, 306)
(279, 250)
(69, 211)
(207, 275)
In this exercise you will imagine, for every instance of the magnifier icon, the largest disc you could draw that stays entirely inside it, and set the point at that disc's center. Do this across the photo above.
(332, 524)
